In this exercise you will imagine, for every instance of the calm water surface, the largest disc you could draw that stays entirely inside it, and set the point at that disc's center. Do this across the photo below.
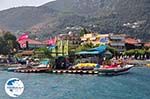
(133, 85)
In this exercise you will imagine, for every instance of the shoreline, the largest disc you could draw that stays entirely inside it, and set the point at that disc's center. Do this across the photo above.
(134, 62)
(139, 63)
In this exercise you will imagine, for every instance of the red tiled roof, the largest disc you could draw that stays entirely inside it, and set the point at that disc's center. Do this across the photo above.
(147, 44)
(131, 41)
(50, 41)
(30, 41)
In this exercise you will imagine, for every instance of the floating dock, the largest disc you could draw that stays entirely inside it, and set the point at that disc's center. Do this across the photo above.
(74, 71)
(33, 70)
(47, 70)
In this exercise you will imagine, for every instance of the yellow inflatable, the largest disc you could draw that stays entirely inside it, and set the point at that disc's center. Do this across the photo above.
(80, 65)
(148, 65)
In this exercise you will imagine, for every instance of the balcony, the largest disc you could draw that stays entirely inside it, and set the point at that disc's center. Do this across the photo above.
(117, 44)
(117, 37)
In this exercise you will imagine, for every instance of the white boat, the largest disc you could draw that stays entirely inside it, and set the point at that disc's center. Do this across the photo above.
(12, 69)
(114, 70)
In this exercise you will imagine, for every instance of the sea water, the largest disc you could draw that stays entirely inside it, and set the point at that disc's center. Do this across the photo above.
(133, 85)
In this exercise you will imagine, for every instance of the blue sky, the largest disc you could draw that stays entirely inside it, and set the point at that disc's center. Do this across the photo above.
(6, 4)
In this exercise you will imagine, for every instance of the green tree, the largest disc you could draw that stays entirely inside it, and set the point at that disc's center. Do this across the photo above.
(137, 52)
(3, 48)
(11, 42)
(112, 50)
(8, 43)
(130, 52)
(45, 51)
(83, 31)
(8, 36)
(85, 47)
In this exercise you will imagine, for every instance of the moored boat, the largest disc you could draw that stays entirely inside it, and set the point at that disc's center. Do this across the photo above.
(33, 70)
(42, 68)
(12, 69)
(114, 70)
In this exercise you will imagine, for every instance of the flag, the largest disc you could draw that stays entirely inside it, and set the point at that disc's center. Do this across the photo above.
(23, 36)
(52, 41)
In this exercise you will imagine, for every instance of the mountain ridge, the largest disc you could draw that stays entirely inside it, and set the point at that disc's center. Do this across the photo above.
(104, 16)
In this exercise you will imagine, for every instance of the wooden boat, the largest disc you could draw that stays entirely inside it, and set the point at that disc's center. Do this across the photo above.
(115, 70)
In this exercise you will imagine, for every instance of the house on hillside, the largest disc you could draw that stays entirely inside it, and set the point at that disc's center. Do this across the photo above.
(147, 44)
(30, 44)
(66, 43)
(117, 41)
(95, 38)
(133, 43)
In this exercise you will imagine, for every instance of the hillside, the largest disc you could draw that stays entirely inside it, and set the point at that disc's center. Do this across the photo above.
(104, 16)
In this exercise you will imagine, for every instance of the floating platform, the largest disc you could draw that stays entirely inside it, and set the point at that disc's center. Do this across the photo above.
(74, 71)
(33, 70)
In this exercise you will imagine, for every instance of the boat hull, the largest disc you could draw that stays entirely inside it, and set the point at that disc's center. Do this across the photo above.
(12, 69)
(115, 70)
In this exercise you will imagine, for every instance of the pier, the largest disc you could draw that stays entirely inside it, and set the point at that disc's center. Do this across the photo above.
(74, 72)
(33, 70)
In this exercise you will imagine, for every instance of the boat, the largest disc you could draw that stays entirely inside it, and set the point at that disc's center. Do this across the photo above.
(41, 68)
(33, 70)
(12, 69)
(106, 68)
(114, 70)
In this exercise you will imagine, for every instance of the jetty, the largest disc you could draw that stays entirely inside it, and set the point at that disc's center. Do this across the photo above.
(74, 71)
(33, 70)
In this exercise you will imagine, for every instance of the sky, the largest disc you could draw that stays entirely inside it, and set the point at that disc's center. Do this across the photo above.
(6, 4)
